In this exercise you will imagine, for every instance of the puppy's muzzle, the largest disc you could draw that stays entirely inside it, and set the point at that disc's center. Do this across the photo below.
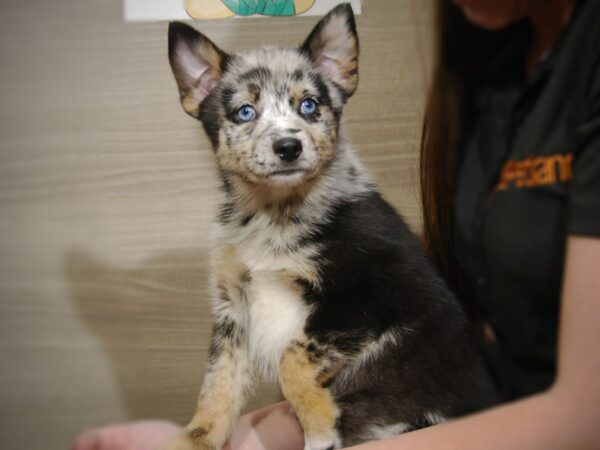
(288, 149)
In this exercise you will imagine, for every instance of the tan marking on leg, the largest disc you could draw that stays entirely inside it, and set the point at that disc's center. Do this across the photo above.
(223, 394)
(229, 377)
(313, 403)
(215, 415)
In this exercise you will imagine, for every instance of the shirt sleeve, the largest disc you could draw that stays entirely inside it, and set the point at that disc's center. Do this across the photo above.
(584, 196)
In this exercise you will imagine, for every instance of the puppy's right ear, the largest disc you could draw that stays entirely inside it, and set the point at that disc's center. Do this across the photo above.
(197, 64)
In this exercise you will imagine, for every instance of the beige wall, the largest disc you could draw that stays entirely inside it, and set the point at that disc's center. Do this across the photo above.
(106, 197)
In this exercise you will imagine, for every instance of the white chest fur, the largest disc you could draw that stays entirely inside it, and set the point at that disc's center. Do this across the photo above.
(276, 315)
(275, 312)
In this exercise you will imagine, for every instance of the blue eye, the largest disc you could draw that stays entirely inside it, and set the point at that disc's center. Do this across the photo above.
(308, 107)
(246, 113)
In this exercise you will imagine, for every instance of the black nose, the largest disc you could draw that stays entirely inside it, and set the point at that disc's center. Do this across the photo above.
(288, 148)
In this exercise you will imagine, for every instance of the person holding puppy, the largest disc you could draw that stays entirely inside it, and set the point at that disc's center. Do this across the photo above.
(510, 173)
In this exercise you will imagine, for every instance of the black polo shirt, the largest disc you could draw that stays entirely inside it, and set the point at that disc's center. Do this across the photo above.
(529, 177)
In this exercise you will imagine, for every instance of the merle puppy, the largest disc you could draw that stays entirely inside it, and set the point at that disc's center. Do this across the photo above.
(318, 283)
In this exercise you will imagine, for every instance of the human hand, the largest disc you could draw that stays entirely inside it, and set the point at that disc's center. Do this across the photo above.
(141, 435)
(270, 428)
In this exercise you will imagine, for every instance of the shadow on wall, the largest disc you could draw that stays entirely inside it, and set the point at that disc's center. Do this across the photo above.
(153, 321)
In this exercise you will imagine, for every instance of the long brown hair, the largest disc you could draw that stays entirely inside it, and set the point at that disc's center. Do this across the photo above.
(462, 52)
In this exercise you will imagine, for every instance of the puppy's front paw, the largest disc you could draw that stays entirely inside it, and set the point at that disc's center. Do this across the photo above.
(187, 441)
(318, 444)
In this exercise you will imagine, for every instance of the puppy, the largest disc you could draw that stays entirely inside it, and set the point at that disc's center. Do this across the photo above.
(318, 283)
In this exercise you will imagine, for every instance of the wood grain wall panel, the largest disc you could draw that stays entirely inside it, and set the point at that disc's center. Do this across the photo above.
(107, 195)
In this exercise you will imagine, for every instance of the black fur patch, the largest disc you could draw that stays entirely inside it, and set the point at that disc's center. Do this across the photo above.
(223, 292)
(324, 97)
(224, 331)
(246, 220)
(198, 433)
(377, 279)
(337, 116)
(260, 74)
(310, 292)
(211, 121)
(225, 212)
(246, 277)
(225, 183)
(228, 62)
(227, 94)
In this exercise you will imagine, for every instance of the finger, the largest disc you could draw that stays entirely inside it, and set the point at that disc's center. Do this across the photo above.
(88, 440)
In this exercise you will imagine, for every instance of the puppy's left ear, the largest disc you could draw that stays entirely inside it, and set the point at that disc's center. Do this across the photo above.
(333, 47)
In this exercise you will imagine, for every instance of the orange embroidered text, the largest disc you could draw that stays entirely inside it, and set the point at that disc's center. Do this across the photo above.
(536, 171)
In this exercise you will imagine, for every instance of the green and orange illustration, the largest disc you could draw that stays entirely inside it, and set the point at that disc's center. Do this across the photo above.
(220, 9)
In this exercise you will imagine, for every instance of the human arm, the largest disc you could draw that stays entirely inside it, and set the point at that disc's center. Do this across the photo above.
(564, 417)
